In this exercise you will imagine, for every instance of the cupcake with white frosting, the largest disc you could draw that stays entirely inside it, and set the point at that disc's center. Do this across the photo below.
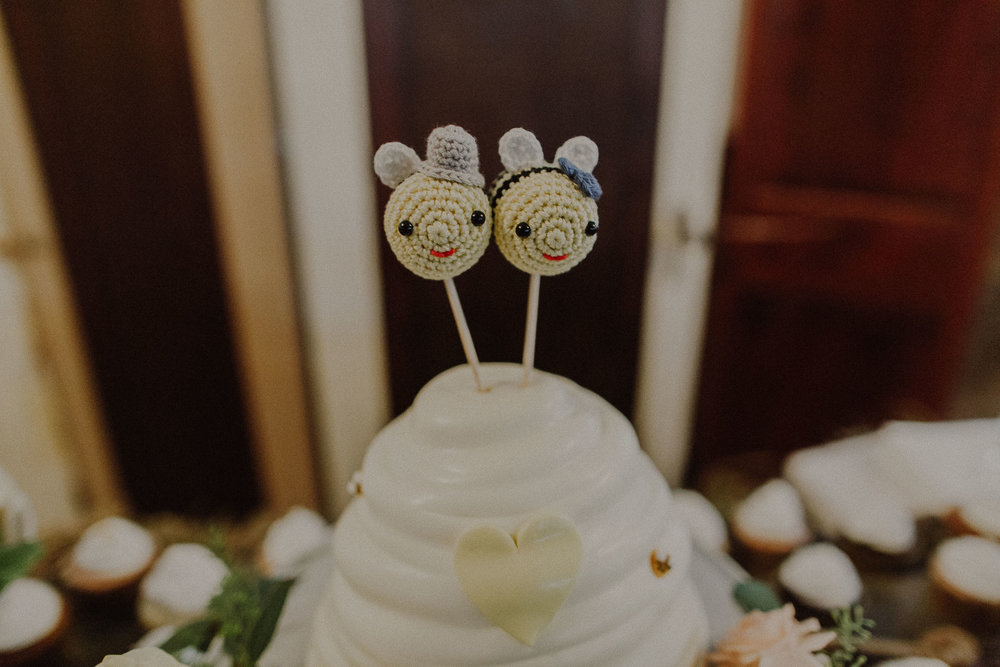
(821, 577)
(180, 585)
(771, 522)
(965, 574)
(851, 504)
(887, 538)
(111, 557)
(33, 618)
(976, 516)
(292, 542)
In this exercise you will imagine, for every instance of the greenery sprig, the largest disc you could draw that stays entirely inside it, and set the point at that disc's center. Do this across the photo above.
(852, 629)
(16, 560)
(244, 614)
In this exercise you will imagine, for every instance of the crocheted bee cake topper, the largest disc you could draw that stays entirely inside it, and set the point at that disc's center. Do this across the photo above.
(545, 214)
(438, 220)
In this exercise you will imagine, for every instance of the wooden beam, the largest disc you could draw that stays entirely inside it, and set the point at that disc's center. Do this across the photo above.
(34, 243)
(229, 59)
(319, 72)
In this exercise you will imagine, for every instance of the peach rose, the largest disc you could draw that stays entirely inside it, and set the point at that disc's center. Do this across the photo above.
(772, 639)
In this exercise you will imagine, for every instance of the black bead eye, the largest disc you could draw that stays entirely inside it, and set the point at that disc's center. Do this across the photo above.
(591, 228)
(406, 228)
(477, 218)
(523, 230)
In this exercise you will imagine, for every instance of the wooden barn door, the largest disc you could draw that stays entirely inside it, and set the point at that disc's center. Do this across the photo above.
(158, 157)
(558, 69)
(860, 196)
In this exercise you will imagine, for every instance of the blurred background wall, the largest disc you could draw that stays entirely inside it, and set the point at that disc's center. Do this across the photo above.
(797, 237)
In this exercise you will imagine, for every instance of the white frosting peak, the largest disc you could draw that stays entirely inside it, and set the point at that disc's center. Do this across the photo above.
(460, 458)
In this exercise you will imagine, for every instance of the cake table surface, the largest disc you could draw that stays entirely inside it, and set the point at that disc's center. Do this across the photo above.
(898, 601)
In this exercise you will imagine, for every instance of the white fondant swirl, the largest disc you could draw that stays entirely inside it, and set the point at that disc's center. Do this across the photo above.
(459, 458)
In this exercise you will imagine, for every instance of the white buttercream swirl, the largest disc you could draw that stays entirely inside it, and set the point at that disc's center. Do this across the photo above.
(459, 458)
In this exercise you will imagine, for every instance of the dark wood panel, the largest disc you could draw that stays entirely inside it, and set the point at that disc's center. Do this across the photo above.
(860, 196)
(559, 69)
(110, 97)
(871, 96)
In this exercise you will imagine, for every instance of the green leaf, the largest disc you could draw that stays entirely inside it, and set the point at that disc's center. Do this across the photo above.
(272, 594)
(196, 633)
(17, 560)
(236, 606)
(217, 545)
(754, 594)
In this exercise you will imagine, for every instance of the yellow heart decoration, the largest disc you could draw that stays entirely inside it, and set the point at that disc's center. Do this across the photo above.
(520, 581)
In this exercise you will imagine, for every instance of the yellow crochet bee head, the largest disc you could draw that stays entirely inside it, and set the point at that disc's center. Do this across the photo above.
(438, 220)
(545, 214)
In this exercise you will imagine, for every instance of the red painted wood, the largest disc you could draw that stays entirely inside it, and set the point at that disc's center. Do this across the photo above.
(861, 193)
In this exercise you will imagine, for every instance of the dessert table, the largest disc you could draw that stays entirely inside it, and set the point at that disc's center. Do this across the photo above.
(900, 602)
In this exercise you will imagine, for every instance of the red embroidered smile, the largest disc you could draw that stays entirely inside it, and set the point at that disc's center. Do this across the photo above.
(446, 253)
(554, 258)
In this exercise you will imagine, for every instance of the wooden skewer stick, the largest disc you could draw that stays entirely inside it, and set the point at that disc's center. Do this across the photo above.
(531, 328)
(463, 331)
